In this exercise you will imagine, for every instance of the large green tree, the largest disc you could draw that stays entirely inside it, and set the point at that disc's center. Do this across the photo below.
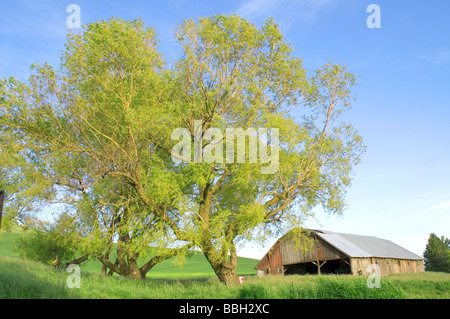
(437, 254)
(84, 130)
(233, 75)
(107, 127)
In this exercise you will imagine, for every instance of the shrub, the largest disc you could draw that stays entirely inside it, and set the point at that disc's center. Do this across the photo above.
(44, 246)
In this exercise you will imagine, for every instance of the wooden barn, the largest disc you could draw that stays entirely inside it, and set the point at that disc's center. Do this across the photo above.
(330, 252)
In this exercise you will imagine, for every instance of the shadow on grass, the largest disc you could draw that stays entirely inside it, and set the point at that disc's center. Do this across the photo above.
(21, 282)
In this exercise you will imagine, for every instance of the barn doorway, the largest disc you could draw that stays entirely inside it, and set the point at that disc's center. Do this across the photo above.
(340, 266)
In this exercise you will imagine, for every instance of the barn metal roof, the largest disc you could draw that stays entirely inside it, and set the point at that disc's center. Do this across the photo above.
(365, 246)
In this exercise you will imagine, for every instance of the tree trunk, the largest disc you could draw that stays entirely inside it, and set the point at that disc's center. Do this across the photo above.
(133, 270)
(124, 267)
(111, 272)
(226, 272)
(77, 261)
(126, 262)
(104, 267)
(225, 268)
(224, 265)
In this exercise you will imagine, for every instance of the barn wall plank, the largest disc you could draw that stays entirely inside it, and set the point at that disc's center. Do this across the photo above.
(292, 253)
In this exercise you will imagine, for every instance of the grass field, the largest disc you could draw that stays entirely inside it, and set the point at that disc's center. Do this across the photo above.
(26, 279)
(196, 265)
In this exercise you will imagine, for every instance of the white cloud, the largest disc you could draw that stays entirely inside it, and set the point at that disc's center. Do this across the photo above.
(286, 12)
(411, 230)
(439, 57)
(256, 7)
(439, 213)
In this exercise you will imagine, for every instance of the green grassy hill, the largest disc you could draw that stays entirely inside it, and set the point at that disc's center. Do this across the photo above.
(195, 266)
(7, 243)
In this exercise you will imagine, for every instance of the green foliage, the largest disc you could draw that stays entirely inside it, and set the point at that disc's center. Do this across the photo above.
(26, 190)
(96, 136)
(44, 246)
(232, 74)
(437, 254)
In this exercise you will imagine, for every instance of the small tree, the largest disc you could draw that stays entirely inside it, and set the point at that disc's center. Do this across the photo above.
(44, 246)
(437, 254)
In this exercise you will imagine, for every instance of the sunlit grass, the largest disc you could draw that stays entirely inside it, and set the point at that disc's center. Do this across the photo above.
(25, 279)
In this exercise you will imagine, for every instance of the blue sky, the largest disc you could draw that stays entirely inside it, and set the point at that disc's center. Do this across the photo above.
(401, 190)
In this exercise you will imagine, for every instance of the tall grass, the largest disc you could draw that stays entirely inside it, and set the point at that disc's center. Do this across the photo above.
(321, 287)
(25, 279)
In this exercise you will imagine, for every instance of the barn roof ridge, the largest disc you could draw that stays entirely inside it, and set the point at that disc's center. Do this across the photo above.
(354, 245)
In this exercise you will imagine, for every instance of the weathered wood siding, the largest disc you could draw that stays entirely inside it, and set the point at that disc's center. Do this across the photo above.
(291, 253)
(287, 252)
(387, 266)
(271, 262)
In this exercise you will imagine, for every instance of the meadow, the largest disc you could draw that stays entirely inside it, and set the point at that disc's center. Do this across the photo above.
(24, 279)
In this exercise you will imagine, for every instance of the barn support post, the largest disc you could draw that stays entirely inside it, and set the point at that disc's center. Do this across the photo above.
(319, 265)
(2, 194)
